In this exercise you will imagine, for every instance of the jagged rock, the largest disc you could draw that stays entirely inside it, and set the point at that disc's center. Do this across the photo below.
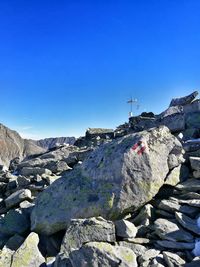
(192, 120)
(172, 205)
(103, 254)
(82, 231)
(174, 177)
(137, 248)
(49, 143)
(125, 229)
(3, 187)
(170, 111)
(176, 245)
(22, 181)
(183, 100)
(102, 133)
(145, 213)
(190, 196)
(140, 123)
(188, 223)
(17, 197)
(57, 166)
(148, 255)
(14, 222)
(12, 146)
(191, 185)
(28, 254)
(195, 163)
(116, 178)
(175, 122)
(6, 257)
(28, 171)
(172, 259)
(169, 230)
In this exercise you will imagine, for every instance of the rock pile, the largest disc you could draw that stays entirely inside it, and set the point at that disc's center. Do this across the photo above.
(115, 198)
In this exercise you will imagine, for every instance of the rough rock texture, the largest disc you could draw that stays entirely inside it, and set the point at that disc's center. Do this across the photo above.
(28, 254)
(116, 178)
(103, 254)
(49, 143)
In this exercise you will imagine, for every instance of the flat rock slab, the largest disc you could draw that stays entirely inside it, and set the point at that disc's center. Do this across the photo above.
(188, 223)
(172, 205)
(173, 259)
(17, 197)
(169, 230)
(176, 245)
(117, 178)
(189, 185)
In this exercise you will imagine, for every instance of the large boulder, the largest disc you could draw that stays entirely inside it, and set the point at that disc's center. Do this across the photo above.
(103, 254)
(117, 178)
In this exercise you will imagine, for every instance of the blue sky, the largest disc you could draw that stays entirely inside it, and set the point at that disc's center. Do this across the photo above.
(69, 65)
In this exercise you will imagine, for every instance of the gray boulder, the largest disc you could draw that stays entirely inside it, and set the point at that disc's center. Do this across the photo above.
(172, 259)
(169, 230)
(17, 197)
(183, 100)
(117, 178)
(14, 222)
(28, 171)
(103, 254)
(125, 229)
(28, 254)
(82, 231)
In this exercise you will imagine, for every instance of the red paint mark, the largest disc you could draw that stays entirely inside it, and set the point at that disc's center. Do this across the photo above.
(139, 147)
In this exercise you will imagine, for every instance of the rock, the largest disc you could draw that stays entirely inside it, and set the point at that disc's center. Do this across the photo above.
(14, 222)
(23, 181)
(191, 185)
(17, 197)
(115, 179)
(140, 123)
(175, 122)
(125, 229)
(28, 254)
(82, 231)
(171, 111)
(148, 255)
(145, 213)
(176, 245)
(172, 205)
(182, 101)
(195, 163)
(192, 120)
(49, 143)
(188, 223)
(137, 249)
(172, 259)
(15, 242)
(28, 171)
(6, 257)
(169, 230)
(174, 177)
(194, 263)
(102, 133)
(196, 174)
(12, 146)
(191, 202)
(103, 254)
(57, 166)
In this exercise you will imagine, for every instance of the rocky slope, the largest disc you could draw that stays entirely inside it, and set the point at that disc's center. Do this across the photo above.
(12, 146)
(128, 197)
(49, 143)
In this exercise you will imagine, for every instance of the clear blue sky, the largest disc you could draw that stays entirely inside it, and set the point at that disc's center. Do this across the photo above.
(68, 65)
